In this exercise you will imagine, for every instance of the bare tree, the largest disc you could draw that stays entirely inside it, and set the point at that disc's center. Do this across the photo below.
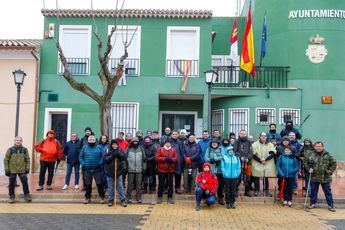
(108, 80)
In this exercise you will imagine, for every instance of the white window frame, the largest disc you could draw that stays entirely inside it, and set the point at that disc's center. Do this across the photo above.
(48, 119)
(273, 113)
(195, 113)
(138, 113)
(281, 117)
(248, 112)
(138, 34)
(75, 27)
(223, 111)
(197, 44)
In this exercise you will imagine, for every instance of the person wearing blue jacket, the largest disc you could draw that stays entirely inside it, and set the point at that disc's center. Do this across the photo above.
(103, 145)
(191, 159)
(90, 158)
(287, 167)
(71, 155)
(204, 143)
(231, 170)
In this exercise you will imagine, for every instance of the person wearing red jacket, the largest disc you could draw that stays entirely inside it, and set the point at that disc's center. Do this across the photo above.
(122, 143)
(206, 186)
(51, 151)
(166, 159)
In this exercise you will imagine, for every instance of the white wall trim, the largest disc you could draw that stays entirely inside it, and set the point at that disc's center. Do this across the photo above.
(48, 119)
(195, 113)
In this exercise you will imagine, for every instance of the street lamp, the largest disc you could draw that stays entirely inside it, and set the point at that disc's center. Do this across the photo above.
(211, 77)
(19, 76)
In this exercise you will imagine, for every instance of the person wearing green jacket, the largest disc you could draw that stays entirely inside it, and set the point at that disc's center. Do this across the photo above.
(214, 155)
(17, 163)
(321, 166)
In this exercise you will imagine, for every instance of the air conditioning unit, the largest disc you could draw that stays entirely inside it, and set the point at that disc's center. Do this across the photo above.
(244, 84)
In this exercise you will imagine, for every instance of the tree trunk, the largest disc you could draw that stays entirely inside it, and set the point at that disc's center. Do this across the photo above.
(105, 118)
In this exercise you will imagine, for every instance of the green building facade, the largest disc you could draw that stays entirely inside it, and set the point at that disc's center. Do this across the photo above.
(170, 44)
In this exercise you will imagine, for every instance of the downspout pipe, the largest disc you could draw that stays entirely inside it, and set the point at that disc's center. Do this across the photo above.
(33, 155)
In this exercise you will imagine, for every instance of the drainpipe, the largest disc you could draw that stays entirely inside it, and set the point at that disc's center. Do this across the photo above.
(34, 54)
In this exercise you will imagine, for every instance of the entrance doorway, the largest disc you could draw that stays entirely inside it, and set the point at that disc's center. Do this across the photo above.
(178, 121)
(58, 119)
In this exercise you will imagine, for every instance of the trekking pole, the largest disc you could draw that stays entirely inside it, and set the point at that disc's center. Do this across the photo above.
(55, 170)
(115, 178)
(306, 195)
(168, 181)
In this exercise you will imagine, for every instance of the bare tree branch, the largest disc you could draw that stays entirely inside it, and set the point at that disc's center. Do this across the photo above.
(82, 87)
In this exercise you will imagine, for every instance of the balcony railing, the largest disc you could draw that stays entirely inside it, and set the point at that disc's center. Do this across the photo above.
(265, 76)
(131, 66)
(178, 68)
(77, 66)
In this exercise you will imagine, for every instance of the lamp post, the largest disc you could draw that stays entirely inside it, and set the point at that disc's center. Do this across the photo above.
(210, 77)
(19, 76)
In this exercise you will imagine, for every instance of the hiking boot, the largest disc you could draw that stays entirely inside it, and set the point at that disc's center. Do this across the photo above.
(228, 206)
(248, 194)
(110, 203)
(39, 188)
(65, 187)
(232, 205)
(123, 203)
(311, 206)
(331, 208)
(268, 194)
(102, 200)
(221, 201)
(139, 201)
(159, 200)
(129, 201)
(285, 203)
(256, 193)
(27, 198)
(144, 191)
(11, 200)
(87, 200)
(76, 187)
(178, 191)
(171, 200)
(49, 187)
(197, 207)
(295, 192)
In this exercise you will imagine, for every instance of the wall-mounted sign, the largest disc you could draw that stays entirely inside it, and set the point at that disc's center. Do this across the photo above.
(316, 51)
(317, 13)
(326, 99)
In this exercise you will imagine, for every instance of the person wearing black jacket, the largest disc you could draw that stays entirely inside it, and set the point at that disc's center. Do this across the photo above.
(112, 153)
(289, 128)
(150, 171)
(71, 154)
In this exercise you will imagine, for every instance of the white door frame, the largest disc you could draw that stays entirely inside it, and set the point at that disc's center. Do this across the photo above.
(48, 119)
(195, 113)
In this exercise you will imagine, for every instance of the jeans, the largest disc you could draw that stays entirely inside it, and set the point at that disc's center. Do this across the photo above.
(69, 172)
(200, 194)
(326, 187)
(230, 190)
(88, 177)
(220, 188)
(119, 188)
(137, 178)
(288, 188)
(162, 178)
(189, 179)
(44, 165)
(306, 179)
(12, 183)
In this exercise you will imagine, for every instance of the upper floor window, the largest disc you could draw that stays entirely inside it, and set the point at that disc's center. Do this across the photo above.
(125, 34)
(75, 41)
(182, 51)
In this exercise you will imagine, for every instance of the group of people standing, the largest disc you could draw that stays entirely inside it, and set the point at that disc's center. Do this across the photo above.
(211, 167)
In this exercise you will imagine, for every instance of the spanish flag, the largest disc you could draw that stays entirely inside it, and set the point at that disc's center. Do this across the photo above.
(247, 55)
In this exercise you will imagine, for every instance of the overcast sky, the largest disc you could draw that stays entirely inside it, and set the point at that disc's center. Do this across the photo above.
(23, 18)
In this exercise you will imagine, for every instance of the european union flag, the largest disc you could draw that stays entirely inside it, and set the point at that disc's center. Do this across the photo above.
(264, 38)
